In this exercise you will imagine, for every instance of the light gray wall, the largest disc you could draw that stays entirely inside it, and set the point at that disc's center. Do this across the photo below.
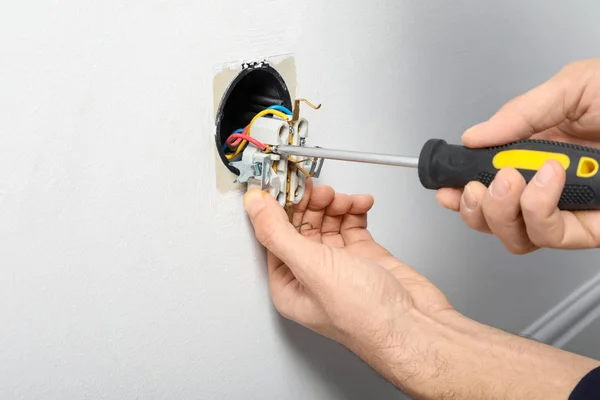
(124, 274)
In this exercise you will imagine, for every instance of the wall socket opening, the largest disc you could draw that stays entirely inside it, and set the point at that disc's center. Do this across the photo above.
(253, 90)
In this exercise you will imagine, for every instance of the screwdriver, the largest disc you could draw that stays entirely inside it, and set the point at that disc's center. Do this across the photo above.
(446, 165)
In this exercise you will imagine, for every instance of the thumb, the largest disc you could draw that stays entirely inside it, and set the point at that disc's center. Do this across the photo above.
(535, 111)
(273, 230)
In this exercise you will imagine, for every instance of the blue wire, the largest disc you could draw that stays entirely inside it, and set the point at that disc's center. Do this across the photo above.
(280, 108)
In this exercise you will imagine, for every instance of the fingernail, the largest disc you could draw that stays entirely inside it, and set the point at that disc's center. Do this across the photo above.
(254, 202)
(545, 174)
(469, 200)
(500, 186)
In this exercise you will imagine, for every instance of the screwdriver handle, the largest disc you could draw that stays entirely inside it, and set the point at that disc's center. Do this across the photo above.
(445, 165)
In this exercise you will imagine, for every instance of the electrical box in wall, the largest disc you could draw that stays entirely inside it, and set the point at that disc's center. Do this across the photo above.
(257, 112)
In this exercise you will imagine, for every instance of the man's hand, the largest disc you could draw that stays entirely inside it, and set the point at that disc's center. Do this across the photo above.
(327, 273)
(334, 278)
(525, 217)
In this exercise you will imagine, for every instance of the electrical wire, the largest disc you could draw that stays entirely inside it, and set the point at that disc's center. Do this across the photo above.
(235, 143)
(226, 145)
(249, 139)
(244, 142)
(280, 108)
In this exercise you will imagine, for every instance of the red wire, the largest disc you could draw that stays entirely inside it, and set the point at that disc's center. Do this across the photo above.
(240, 137)
(236, 143)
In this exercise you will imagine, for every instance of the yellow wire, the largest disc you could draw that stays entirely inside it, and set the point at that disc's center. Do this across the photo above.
(261, 114)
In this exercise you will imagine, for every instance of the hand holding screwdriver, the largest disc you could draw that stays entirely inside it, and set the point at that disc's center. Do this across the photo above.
(523, 216)
(335, 279)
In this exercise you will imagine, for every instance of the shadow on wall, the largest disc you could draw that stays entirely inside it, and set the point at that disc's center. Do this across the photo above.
(345, 373)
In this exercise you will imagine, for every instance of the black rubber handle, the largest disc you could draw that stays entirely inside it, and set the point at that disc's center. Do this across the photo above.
(445, 165)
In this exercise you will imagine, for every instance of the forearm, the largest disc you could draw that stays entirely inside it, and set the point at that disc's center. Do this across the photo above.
(435, 360)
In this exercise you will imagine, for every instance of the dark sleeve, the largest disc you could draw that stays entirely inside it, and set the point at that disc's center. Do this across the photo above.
(588, 388)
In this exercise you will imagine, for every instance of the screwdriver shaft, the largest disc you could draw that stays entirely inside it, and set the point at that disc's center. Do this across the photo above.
(344, 155)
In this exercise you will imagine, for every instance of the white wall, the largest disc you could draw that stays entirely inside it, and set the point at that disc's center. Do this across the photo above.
(124, 274)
